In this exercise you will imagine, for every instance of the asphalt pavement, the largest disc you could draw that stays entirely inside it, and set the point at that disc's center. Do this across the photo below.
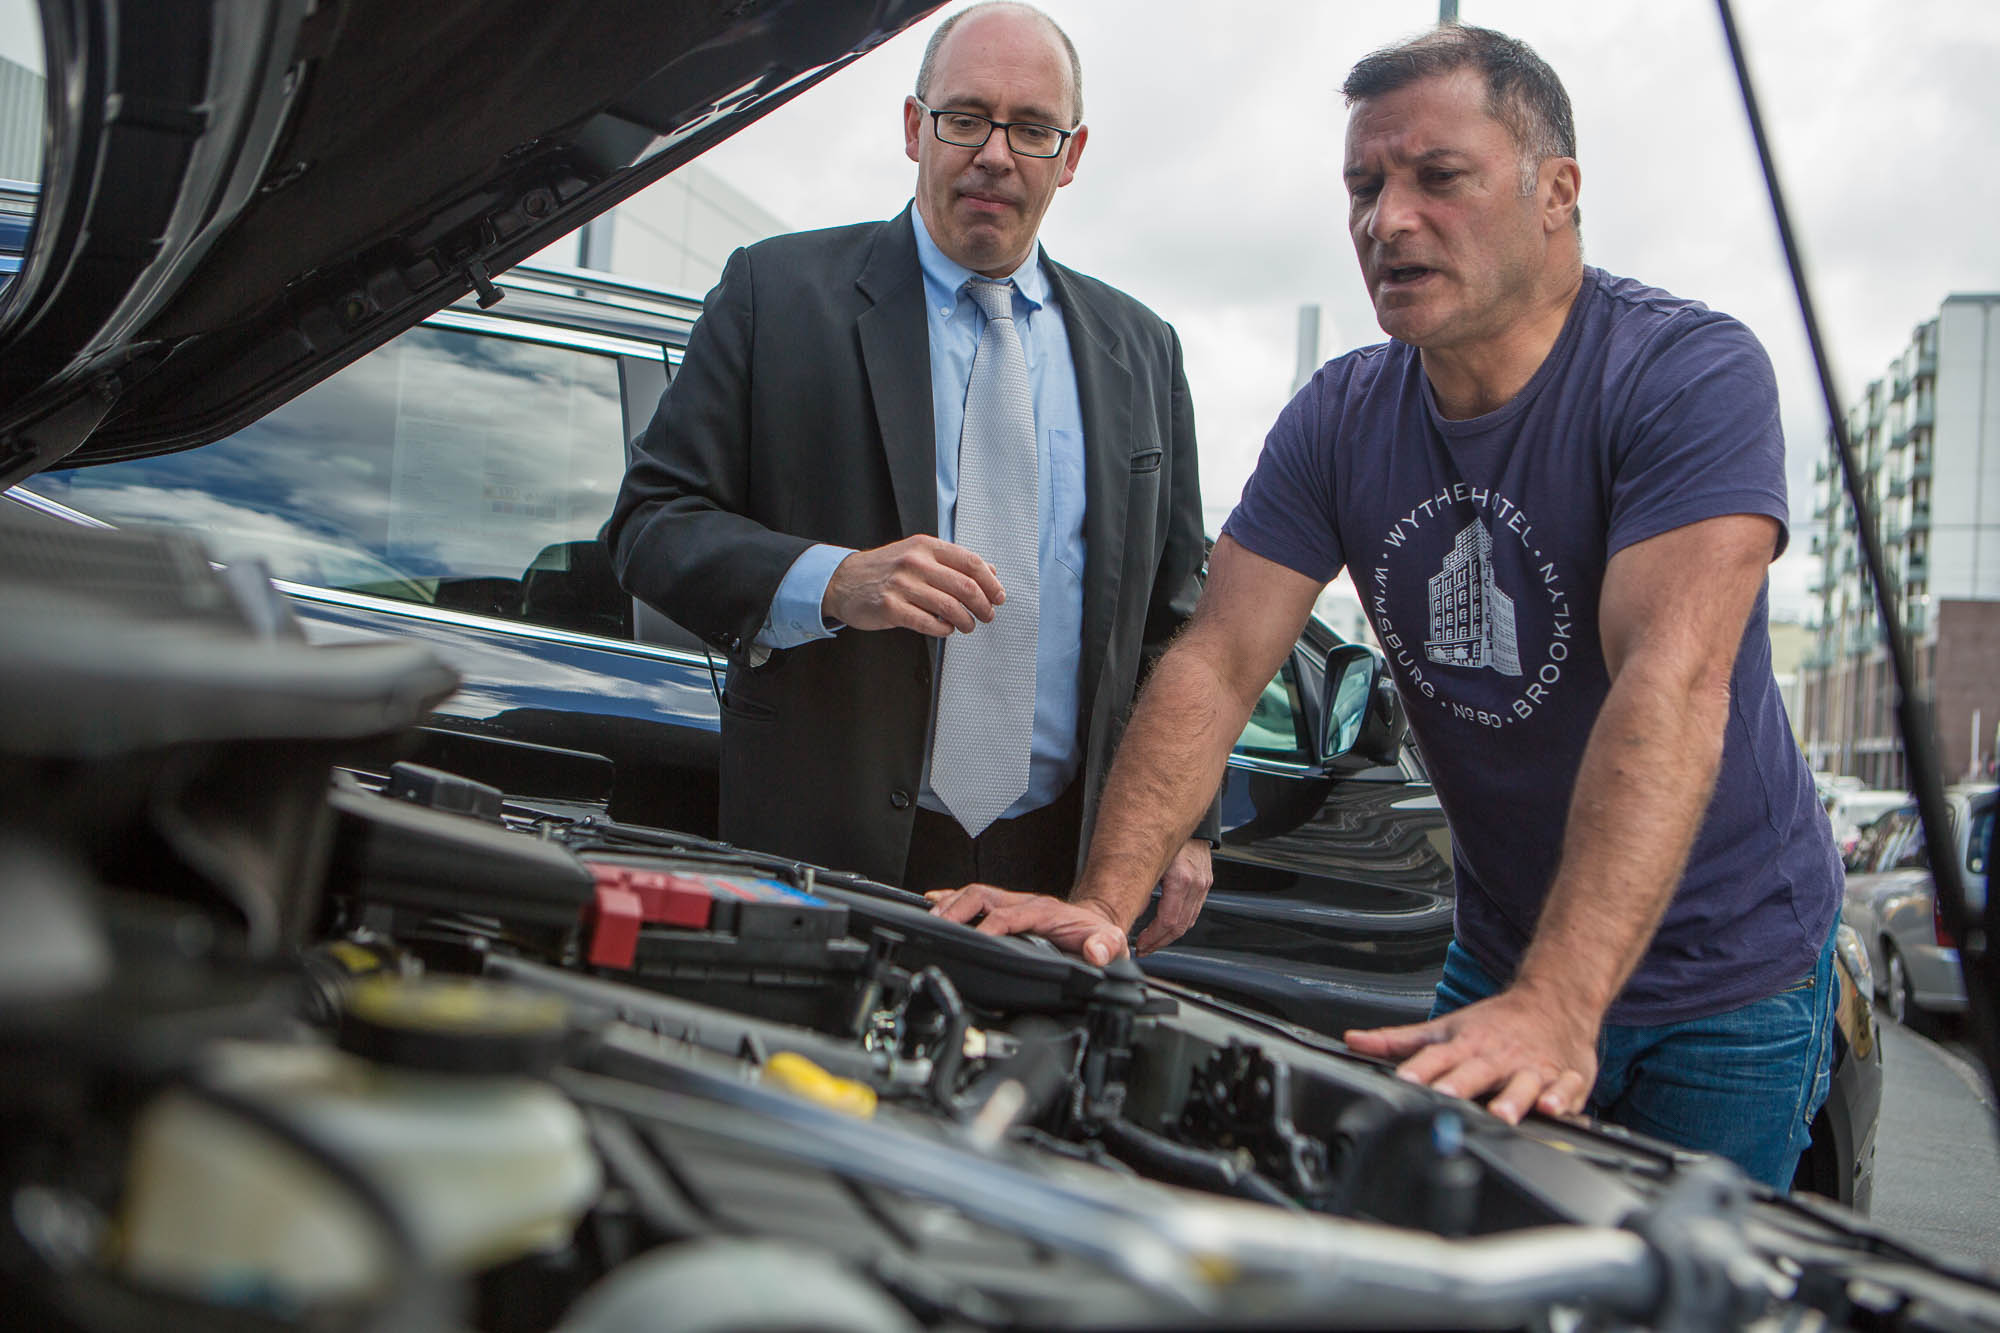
(1937, 1159)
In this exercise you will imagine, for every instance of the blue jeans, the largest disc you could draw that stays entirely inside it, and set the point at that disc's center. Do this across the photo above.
(1744, 1084)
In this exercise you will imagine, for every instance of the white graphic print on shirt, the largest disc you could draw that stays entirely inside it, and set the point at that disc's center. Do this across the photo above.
(1475, 623)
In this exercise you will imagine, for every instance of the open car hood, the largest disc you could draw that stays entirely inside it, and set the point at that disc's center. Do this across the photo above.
(242, 196)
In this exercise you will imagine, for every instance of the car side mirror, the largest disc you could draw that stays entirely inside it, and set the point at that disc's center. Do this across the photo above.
(1361, 721)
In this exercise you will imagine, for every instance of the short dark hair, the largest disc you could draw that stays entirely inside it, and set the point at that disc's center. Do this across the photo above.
(1522, 92)
(928, 70)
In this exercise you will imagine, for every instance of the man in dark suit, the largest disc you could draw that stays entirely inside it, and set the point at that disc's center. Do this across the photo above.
(833, 427)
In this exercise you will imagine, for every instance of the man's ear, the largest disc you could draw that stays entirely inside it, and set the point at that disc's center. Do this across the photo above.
(1564, 183)
(913, 126)
(1073, 153)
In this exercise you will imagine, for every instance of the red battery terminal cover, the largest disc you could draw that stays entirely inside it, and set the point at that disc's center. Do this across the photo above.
(628, 898)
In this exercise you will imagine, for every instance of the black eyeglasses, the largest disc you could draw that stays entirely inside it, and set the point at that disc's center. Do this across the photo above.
(965, 129)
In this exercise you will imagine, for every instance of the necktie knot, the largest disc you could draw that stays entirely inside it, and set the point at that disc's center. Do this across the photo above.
(996, 299)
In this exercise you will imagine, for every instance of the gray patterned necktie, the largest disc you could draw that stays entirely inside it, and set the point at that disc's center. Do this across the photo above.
(986, 689)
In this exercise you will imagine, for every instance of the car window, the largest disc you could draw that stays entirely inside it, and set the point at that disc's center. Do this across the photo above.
(1876, 841)
(1277, 726)
(1977, 840)
(459, 470)
(1910, 853)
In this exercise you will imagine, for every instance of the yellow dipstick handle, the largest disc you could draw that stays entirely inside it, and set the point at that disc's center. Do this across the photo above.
(801, 1077)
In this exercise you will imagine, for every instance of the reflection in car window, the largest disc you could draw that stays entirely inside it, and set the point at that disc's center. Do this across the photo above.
(459, 470)
(1876, 841)
(1276, 729)
(1910, 853)
(1977, 839)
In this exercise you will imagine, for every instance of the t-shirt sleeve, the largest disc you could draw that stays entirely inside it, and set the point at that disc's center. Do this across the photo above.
(1286, 513)
(1700, 438)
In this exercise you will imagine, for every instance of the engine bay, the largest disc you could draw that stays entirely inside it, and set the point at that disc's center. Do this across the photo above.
(297, 1037)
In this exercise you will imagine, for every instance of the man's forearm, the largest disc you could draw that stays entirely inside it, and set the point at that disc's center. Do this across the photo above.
(1165, 777)
(1641, 792)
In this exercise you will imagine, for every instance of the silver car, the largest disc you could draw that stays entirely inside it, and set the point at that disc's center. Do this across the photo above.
(1891, 906)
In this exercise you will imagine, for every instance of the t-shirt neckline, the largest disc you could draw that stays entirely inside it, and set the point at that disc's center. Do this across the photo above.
(1467, 428)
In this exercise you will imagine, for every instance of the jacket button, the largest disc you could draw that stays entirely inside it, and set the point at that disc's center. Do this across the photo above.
(900, 799)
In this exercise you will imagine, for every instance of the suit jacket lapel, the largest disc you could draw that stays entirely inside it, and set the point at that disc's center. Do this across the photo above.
(896, 353)
(1104, 391)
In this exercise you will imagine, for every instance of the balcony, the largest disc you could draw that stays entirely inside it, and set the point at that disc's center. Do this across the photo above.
(1927, 360)
(1925, 415)
(1900, 438)
(1902, 389)
(1920, 514)
(1920, 469)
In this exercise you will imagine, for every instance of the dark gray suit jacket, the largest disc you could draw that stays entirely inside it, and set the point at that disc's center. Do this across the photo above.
(802, 414)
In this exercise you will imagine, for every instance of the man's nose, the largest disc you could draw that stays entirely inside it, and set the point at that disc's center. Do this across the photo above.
(1392, 213)
(995, 155)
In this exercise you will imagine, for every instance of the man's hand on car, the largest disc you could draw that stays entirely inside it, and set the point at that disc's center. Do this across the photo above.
(1079, 928)
(1529, 1048)
(1183, 889)
(1084, 927)
(921, 583)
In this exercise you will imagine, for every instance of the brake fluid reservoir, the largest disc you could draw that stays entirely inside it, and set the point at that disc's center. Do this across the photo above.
(433, 1099)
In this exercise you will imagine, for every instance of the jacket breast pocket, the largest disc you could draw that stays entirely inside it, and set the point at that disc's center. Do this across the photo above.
(1147, 460)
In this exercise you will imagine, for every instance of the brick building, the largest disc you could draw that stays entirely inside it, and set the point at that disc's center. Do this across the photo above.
(1927, 436)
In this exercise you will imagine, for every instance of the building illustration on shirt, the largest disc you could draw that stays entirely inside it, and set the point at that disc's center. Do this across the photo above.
(1472, 621)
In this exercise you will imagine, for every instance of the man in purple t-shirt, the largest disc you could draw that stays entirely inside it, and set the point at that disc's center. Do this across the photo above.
(1557, 492)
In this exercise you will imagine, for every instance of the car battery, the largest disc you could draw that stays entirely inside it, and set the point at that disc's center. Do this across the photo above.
(730, 939)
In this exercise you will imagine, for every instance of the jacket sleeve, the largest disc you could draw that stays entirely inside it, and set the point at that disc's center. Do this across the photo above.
(682, 535)
(1177, 585)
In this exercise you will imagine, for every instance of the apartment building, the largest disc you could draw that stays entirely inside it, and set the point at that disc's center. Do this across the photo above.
(1927, 437)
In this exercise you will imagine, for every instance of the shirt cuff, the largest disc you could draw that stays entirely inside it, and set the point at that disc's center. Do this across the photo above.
(794, 617)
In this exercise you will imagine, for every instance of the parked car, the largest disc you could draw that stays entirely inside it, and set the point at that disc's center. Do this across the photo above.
(1333, 895)
(300, 1035)
(1891, 903)
(449, 487)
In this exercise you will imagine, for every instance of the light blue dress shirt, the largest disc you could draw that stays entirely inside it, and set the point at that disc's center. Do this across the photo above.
(955, 327)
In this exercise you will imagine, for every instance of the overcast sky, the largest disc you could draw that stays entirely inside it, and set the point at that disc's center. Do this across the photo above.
(1210, 187)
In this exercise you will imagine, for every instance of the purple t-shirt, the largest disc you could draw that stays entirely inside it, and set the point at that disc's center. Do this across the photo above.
(1479, 547)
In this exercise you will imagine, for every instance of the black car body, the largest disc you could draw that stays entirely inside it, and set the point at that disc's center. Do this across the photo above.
(286, 1045)
(1340, 875)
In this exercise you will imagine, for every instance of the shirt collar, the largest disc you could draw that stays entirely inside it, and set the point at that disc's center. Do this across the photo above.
(945, 276)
